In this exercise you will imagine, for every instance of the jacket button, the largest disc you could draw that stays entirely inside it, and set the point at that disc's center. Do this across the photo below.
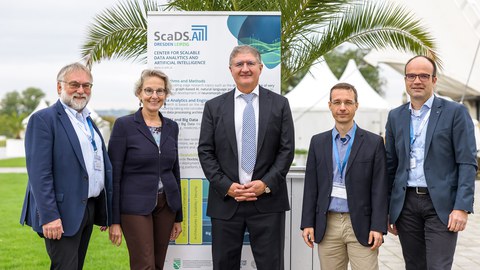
(84, 201)
(85, 178)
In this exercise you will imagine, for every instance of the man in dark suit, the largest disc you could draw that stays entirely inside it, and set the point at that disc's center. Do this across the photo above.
(69, 173)
(431, 167)
(345, 194)
(246, 147)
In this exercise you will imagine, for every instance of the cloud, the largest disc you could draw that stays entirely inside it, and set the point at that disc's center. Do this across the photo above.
(40, 37)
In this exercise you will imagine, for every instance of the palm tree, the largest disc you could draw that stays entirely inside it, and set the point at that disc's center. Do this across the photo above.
(310, 29)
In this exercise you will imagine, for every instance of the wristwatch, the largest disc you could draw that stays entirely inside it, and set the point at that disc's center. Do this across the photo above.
(267, 189)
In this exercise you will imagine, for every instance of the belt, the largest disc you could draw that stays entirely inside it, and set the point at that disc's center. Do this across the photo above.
(419, 190)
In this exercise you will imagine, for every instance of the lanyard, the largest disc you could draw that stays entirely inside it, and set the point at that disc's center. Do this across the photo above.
(341, 166)
(91, 136)
(92, 140)
(413, 136)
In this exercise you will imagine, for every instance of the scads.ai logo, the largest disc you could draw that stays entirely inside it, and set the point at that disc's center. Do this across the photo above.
(197, 32)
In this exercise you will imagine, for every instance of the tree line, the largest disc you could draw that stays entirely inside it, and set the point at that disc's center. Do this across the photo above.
(14, 107)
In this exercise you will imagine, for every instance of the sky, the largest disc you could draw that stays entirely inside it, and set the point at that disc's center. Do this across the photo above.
(38, 38)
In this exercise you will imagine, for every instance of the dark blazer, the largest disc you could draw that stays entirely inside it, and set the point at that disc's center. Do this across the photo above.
(138, 165)
(450, 158)
(57, 177)
(365, 181)
(217, 150)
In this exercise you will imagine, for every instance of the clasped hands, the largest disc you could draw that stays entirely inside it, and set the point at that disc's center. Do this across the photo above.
(247, 192)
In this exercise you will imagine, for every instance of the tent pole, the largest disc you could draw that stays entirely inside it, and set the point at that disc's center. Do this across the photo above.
(470, 73)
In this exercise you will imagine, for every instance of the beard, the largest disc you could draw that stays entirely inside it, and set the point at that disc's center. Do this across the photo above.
(75, 101)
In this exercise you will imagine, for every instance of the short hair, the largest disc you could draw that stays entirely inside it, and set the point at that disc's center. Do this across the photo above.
(345, 86)
(147, 73)
(245, 49)
(434, 74)
(71, 68)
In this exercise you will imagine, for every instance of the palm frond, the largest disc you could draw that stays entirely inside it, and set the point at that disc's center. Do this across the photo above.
(223, 5)
(310, 29)
(373, 25)
(119, 32)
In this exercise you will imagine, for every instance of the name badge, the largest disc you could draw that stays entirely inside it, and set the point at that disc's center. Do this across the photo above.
(339, 191)
(413, 163)
(97, 162)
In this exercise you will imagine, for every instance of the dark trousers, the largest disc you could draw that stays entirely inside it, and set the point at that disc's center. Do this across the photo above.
(426, 241)
(267, 238)
(69, 252)
(148, 236)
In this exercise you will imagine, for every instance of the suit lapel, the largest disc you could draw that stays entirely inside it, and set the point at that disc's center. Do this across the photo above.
(404, 120)
(166, 130)
(328, 154)
(432, 122)
(265, 108)
(228, 118)
(71, 134)
(357, 143)
(142, 126)
(96, 129)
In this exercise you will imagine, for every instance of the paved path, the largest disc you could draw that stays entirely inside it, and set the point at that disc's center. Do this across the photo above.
(13, 170)
(468, 246)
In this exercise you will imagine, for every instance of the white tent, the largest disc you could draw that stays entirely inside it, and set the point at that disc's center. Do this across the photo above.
(304, 100)
(312, 88)
(373, 109)
(309, 102)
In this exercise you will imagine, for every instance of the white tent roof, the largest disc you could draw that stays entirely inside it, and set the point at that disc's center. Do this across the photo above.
(312, 88)
(457, 37)
(309, 103)
(367, 97)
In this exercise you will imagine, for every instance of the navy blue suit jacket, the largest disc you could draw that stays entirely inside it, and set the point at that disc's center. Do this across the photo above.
(57, 176)
(217, 151)
(450, 158)
(365, 181)
(138, 164)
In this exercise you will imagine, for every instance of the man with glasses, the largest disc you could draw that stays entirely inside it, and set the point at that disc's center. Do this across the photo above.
(431, 163)
(69, 173)
(246, 147)
(345, 194)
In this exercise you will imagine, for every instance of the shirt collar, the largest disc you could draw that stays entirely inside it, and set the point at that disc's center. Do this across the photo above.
(426, 106)
(256, 91)
(336, 134)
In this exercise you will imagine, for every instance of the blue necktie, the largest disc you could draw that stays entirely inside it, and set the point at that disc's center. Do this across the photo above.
(249, 140)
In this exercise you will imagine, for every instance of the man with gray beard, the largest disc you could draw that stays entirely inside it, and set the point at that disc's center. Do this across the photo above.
(69, 173)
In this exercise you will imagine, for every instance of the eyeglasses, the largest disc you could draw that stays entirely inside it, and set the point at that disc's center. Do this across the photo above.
(76, 85)
(346, 103)
(423, 77)
(160, 92)
(242, 64)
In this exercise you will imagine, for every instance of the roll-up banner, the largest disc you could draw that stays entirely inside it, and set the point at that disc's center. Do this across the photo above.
(193, 49)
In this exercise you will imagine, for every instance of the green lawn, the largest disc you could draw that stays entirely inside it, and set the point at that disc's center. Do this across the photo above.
(13, 162)
(21, 248)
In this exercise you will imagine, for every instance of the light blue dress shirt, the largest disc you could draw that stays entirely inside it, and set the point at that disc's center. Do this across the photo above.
(96, 176)
(339, 205)
(416, 175)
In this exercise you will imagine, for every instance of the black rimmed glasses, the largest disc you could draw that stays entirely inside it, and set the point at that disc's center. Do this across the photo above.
(160, 91)
(423, 77)
(76, 85)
